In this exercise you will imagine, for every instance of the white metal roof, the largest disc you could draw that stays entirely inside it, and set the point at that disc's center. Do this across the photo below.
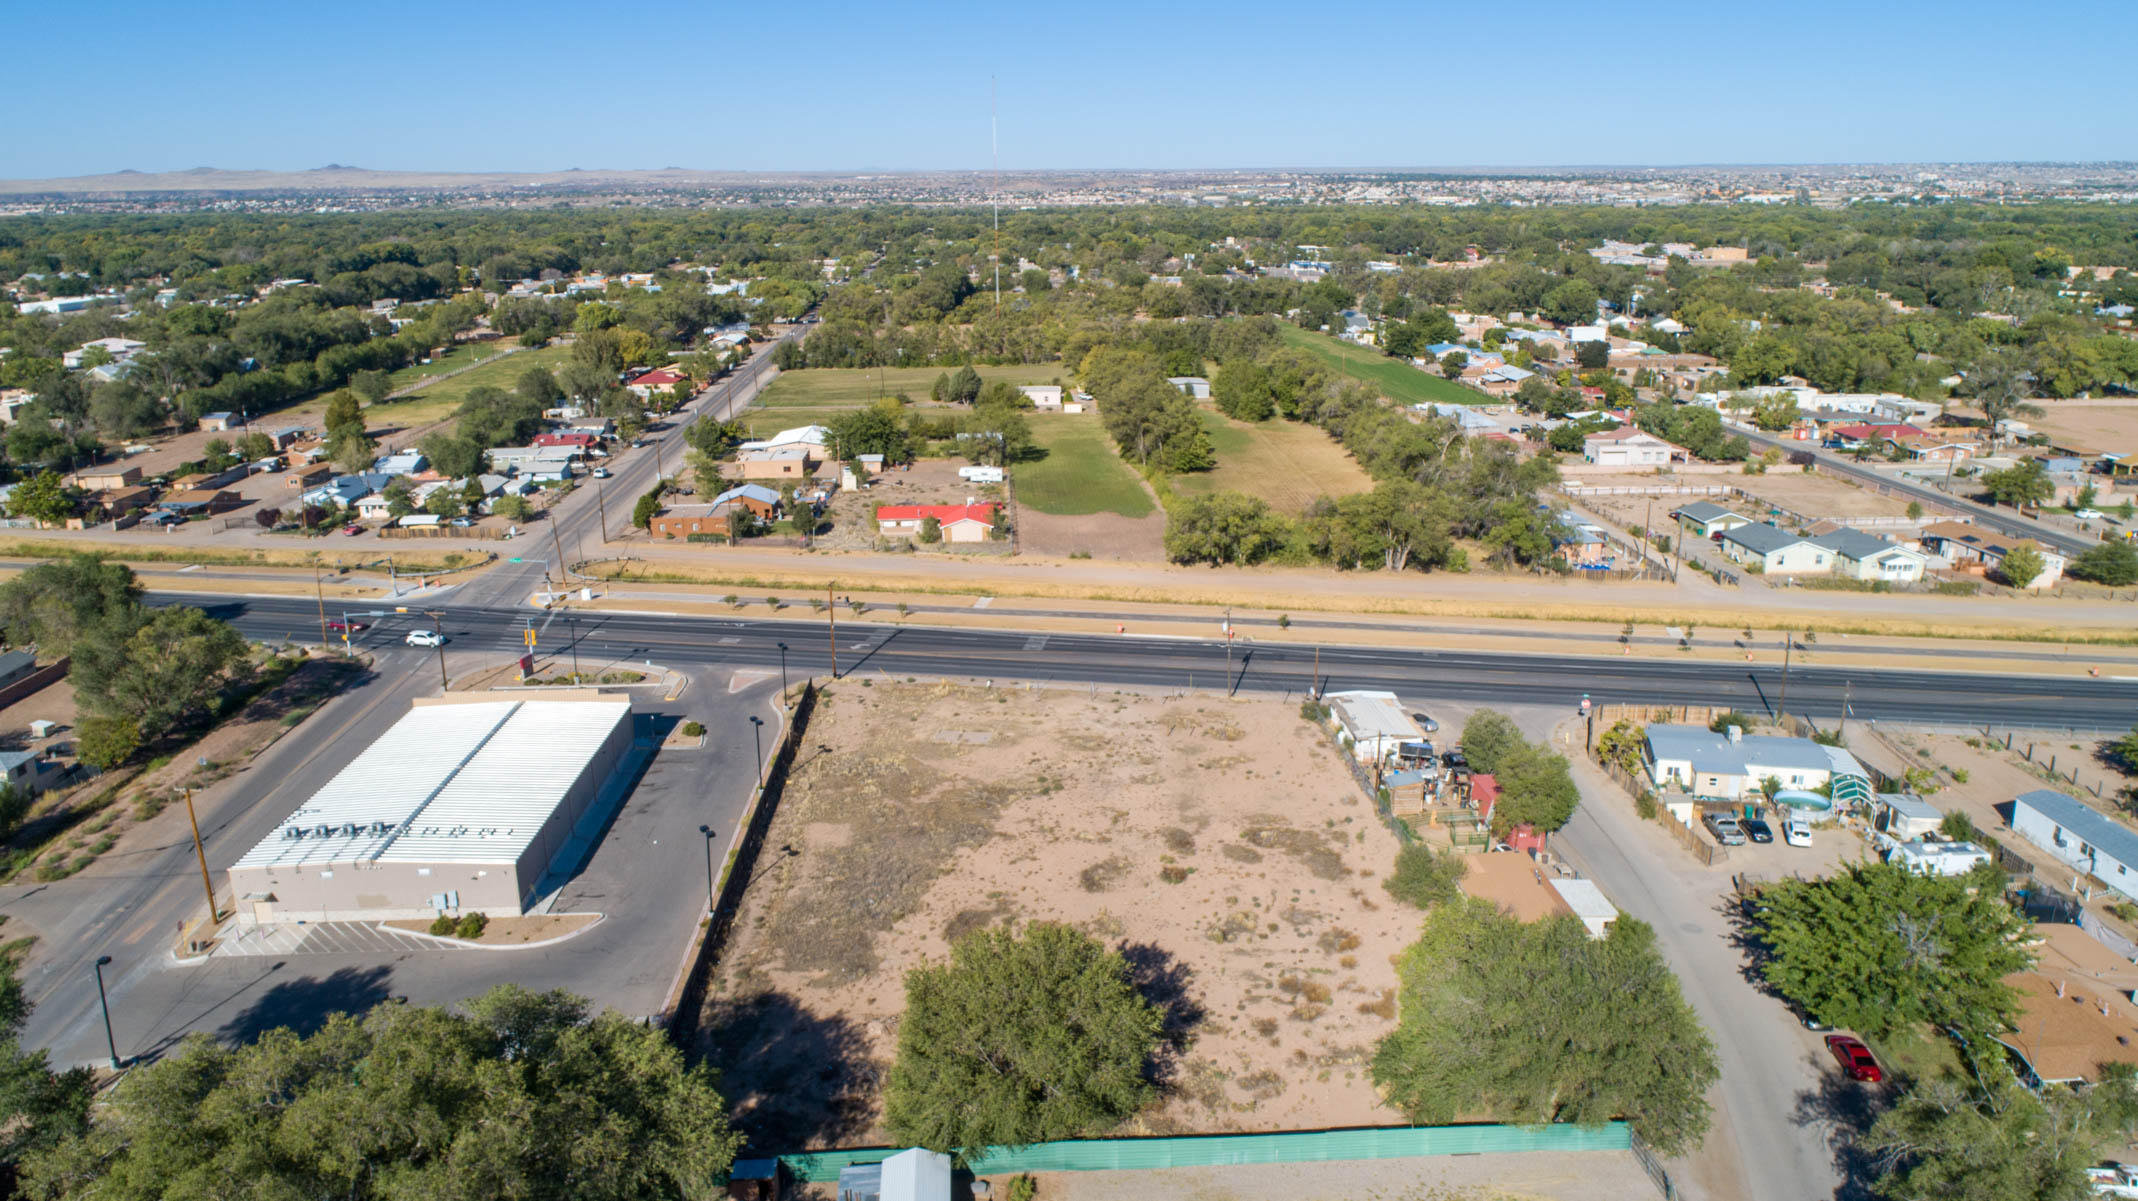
(1370, 714)
(468, 783)
(388, 783)
(493, 807)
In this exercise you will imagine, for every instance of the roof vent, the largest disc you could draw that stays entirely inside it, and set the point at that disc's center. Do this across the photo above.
(349, 828)
(293, 832)
(323, 831)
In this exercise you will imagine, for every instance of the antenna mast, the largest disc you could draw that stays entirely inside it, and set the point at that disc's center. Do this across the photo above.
(994, 143)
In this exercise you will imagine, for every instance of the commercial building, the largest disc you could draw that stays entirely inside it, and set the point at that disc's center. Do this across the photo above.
(462, 805)
(1373, 724)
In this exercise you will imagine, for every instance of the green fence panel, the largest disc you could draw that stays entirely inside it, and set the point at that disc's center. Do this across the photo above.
(1142, 1154)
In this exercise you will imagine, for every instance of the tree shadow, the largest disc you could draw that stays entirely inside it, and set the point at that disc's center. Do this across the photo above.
(1167, 984)
(304, 1004)
(796, 1079)
(1844, 1110)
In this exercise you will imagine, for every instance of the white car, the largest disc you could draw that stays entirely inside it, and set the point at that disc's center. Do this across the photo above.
(1796, 832)
(2088, 514)
(425, 638)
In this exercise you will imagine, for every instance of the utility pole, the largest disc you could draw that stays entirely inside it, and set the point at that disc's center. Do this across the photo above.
(573, 618)
(831, 615)
(601, 500)
(558, 542)
(1316, 689)
(205, 884)
(1228, 651)
(1846, 687)
(437, 617)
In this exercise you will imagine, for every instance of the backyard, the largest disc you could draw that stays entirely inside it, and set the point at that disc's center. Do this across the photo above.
(1287, 463)
(437, 401)
(1396, 378)
(1253, 913)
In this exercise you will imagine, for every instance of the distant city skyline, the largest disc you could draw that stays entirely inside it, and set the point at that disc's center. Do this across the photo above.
(1257, 86)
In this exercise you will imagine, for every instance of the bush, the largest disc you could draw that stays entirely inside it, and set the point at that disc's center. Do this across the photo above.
(1730, 717)
(1644, 805)
(1424, 879)
(1958, 827)
(1022, 1188)
(692, 729)
(472, 926)
(443, 926)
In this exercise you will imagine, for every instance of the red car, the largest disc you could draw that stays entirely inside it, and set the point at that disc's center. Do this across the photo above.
(346, 627)
(1854, 1058)
(352, 530)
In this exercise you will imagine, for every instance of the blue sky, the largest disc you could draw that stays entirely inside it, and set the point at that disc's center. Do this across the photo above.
(834, 86)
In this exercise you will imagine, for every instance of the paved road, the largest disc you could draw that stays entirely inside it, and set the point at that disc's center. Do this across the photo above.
(647, 876)
(1817, 689)
(2002, 520)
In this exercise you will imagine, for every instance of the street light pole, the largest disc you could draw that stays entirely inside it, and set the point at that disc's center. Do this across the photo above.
(782, 675)
(104, 1003)
(831, 615)
(319, 593)
(573, 618)
(757, 729)
(708, 832)
(1789, 641)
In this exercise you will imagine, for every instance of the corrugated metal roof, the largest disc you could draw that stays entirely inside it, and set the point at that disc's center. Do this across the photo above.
(388, 783)
(465, 783)
(2113, 840)
(493, 807)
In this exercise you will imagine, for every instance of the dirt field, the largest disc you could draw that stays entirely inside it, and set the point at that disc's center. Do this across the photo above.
(1253, 912)
(926, 482)
(1287, 463)
(1097, 535)
(1818, 495)
(2109, 425)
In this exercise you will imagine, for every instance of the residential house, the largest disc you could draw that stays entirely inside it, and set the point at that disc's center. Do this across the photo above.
(1373, 724)
(344, 490)
(660, 379)
(1773, 551)
(407, 462)
(1047, 398)
(959, 523)
(757, 498)
(1930, 448)
(681, 521)
(1194, 386)
(1707, 766)
(206, 501)
(1706, 519)
(1581, 543)
(859, 470)
(2075, 1009)
(579, 442)
(1629, 448)
(375, 507)
(784, 463)
(218, 422)
(120, 349)
(118, 502)
(307, 476)
(1974, 547)
(2080, 836)
(1358, 327)
(810, 438)
(30, 772)
(1861, 556)
(1515, 884)
(99, 478)
(1466, 417)
(1849, 437)
(532, 458)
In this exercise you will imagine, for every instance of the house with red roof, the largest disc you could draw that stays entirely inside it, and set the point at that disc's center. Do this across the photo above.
(575, 441)
(1849, 437)
(960, 523)
(659, 379)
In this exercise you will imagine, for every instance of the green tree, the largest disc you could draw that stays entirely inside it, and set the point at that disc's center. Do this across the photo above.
(1453, 362)
(400, 495)
(353, 450)
(538, 387)
(1775, 413)
(1592, 354)
(2024, 485)
(255, 446)
(1424, 878)
(106, 742)
(442, 502)
(56, 603)
(1491, 741)
(1539, 1022)
(521, 1094)
(43, 498)
(1536, 789)
(2022, 565)
(1243, 391)
(43, 1109)
(1571, 303)
(1021, 1038)
(1950, 1141)
(512, 507)
(964, 386)
(372, 386)
(2125, 750)
(2112, 563)
(1879, 948)
(1223, 527)
(343, 412)
(931, 531)
(642, 513)
(158, 669)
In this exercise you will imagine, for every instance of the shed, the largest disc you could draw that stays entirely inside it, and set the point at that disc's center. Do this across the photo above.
(1906, 816)
(1588, 903)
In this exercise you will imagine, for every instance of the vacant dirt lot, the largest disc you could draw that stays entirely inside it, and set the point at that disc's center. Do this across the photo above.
(1252, 911)
(925, 482)
(2109, 425)
(1097, 535)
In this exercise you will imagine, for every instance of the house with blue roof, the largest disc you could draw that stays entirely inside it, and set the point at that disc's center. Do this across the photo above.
(2081, 836)
(1696, 762)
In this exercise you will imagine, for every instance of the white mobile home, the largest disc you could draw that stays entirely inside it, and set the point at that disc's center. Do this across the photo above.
(2080, 836)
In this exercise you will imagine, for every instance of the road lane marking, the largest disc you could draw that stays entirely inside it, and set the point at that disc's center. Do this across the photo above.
(1037, 642)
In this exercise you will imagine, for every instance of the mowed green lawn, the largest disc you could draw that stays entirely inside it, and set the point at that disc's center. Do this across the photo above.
(437, 402)
(451, 359)
(1396, 378)
(850, 388)
(1289, 464)
(1080, 472)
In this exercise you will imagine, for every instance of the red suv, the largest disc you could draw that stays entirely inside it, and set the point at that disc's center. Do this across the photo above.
(346, 627)
(1854, 1058)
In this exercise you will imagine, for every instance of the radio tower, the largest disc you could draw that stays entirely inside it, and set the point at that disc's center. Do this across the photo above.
(994, 145)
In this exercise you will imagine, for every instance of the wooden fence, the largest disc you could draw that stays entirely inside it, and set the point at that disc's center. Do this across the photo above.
(1705, 850)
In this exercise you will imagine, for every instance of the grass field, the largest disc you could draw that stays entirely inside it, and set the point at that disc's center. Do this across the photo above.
(452, 359)
(438, 401)
(1285, 463)
(844, 388)
(1397, 379)
(1080, 474)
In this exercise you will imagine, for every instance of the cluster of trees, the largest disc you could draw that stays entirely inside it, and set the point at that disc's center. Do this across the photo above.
(1694, 427)
(1538, 1022)
(517, 1094)
(1151, 420)
(140, 674)
(1536, 785)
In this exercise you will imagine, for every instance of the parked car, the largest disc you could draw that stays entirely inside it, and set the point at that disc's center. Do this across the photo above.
(2088, 515)
(352, 529)
(425, 638)
(461, 523)
(1724, 828)
(1454, 758)
(346, 627)
(601, 473)
(1426, 723)
(1855, 1058)
(1796, 832)
(1757, 830)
